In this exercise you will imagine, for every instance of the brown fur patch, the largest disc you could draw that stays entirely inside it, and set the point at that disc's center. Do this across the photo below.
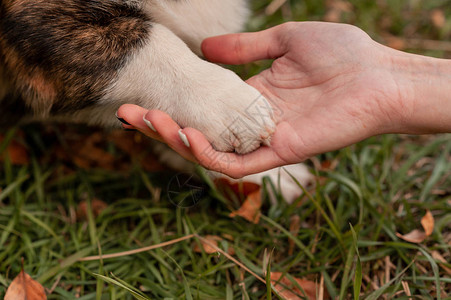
(60, 56)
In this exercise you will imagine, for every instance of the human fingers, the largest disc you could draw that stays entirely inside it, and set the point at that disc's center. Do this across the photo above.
(232, 164)
(168, 131)
(155, 124)
(241, 48)
(131, 117)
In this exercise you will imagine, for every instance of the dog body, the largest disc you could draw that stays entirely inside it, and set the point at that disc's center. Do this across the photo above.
(79, 60)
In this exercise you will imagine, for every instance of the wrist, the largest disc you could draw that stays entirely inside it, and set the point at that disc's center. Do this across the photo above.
(422, 103)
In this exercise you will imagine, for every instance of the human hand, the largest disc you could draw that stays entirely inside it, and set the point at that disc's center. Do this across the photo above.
(330, 86)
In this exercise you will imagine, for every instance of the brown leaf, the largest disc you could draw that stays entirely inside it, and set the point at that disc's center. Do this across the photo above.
(329, 165)
(24, 287)
(249, 191)
(428, 223)
(395, 42)
(212, 239)
(250, 210)
(438, 18)
(86, 152)
(17, 153)
(242, 188)
(289, 291)
(97, 207)
(91, 153)
(415, 236)
(137, 149)
(442, 261)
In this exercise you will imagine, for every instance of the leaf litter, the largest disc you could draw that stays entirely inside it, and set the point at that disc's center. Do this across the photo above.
(23, 287)
(418, 236)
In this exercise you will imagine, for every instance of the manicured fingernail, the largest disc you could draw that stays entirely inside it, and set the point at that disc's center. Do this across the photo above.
(149, 124)
(122, 120)
(184, 138)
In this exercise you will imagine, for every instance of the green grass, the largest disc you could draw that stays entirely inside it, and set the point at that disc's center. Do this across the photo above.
(349, 221)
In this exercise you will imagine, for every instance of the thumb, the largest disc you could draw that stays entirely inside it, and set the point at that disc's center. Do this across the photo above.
(241, 48)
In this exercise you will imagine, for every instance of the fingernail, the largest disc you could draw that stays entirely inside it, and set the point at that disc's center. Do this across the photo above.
(149, 124)
(122, 120)
(184, 138)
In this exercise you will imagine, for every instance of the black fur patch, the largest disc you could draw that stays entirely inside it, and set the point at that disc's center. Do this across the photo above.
(15, 111)
(60, 56)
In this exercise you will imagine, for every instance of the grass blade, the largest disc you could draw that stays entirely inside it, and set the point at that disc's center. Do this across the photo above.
(358, 268)
(134, 292)
(290, 235)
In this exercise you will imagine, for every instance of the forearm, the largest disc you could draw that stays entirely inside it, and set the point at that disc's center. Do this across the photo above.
(424, 93)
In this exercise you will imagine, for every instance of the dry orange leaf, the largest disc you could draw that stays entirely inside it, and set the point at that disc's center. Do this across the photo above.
(242, 188)
(428, 223)
(415, 236)
(212, 239)
(250, 210)
(24, 287)
(438, 18)
(97, 207)
(395, 42)
(442, 261)
(18, 154)
(418, 236)
(137, 149)
(289, 291)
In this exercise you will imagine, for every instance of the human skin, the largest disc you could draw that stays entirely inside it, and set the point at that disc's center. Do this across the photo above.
(330, 85)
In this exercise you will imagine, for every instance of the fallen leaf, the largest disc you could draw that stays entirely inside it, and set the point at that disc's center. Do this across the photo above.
(250, 210)
(289, 291)
(242, 188)
(17, 153)
(442, 261)
(86, 152)
(415, 236)
(214, 240)
(438, 18)
(97, 207)
(91, 153)
(138, 149)
(329, 165)
(24, 287)
(395, 42)
(228, 236)
(428, 223)
(249, 191)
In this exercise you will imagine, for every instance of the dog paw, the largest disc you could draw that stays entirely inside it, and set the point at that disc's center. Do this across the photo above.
(232, 115)
(166, 75)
